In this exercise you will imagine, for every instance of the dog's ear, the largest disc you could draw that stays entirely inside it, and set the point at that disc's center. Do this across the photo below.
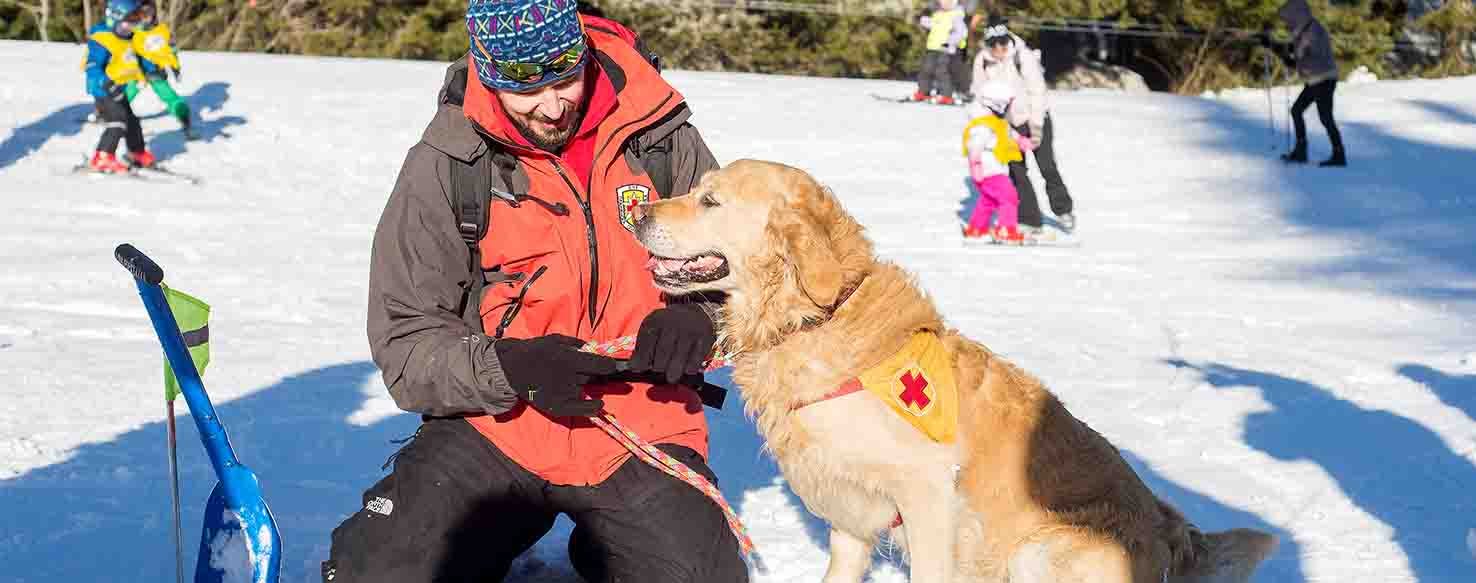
(804, 238)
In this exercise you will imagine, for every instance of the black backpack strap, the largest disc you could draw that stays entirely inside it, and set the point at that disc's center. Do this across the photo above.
(471, 189)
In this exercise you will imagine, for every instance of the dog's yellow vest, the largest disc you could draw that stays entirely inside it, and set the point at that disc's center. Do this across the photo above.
(917, 384)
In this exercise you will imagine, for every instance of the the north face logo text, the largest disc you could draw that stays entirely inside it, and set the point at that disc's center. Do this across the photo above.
(381, 505)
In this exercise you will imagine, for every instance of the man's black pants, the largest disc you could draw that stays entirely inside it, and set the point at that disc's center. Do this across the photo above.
(1045, 155)
(456, 509)
(1320, 93)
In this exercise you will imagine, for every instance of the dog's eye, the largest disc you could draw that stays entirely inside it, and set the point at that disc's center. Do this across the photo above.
(708, 201)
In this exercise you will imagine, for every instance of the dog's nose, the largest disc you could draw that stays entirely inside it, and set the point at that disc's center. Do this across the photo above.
(638, 213)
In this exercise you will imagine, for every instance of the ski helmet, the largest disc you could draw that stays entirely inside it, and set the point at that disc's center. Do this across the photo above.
(119, 10)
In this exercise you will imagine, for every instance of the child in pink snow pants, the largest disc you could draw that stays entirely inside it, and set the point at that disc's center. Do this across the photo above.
(990, 145)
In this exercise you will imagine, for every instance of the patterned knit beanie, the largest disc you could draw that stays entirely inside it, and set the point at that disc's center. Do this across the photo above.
(521, 31)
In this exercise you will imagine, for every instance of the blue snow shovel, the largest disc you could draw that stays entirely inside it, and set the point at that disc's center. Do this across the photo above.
(236, 516)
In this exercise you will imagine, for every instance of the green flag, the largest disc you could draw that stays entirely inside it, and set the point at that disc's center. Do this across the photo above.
(193, 317)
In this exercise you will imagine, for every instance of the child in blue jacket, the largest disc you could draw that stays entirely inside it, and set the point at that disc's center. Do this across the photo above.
(115, 61)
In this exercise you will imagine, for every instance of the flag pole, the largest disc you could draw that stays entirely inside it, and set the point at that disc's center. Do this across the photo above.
(174, 494)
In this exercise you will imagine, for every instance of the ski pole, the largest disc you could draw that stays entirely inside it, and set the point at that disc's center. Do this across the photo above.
(1286, 95)
(1270, 107)
(174, 495)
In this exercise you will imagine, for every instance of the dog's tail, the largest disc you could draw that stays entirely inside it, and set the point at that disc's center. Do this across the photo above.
(1229, 556)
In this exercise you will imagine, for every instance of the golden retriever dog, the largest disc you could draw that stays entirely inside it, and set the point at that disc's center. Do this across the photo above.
(1024, 493)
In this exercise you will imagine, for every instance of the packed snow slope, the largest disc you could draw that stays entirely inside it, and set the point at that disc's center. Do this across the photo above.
(1285, 348)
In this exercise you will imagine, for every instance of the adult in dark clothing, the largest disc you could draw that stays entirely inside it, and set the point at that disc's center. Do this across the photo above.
(1311, 52)
(1006, 58)
(565, 114)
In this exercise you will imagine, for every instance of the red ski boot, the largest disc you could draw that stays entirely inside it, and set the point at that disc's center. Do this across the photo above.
(1008, 236)
(141, 159)
(106, 163)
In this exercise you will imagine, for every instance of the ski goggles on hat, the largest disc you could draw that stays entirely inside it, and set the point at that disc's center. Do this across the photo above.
(535, 72)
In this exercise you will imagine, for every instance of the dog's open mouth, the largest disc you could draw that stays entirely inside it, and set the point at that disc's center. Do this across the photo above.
(696, 269)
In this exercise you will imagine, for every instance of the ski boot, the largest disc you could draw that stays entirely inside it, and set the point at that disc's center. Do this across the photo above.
(141, 159)
(919, 96)
(1338, 160)
(943, 100)
(1008, 236)
(106, 163)
(972, 236)
(1298, 155)
(1068, 222)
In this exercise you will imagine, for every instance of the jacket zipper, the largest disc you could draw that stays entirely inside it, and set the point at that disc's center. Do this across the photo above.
(516, 201)
(517, 303)
(589, 237)
(589, 226)
(589, 233)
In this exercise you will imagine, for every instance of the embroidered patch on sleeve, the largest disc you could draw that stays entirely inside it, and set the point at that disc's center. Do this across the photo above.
(627, 198)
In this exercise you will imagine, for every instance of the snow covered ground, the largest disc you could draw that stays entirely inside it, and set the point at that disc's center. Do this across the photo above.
(1283, 348)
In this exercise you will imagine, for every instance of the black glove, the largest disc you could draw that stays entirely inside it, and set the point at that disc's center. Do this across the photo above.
(549, 372)
(674, 341)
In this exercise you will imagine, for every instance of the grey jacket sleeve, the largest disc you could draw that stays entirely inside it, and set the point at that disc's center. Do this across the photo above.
(690, 159)
(432, 361)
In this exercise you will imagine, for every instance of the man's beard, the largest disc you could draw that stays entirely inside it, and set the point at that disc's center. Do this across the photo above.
(554, 142)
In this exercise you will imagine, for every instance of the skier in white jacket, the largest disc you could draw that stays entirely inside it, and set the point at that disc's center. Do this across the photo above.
(1006, 58)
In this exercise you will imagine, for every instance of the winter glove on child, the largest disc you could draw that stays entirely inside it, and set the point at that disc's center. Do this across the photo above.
(549, 372)
(674, 341)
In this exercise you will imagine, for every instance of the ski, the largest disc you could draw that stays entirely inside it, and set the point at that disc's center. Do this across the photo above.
(155, 174)
(165, 173)
(1049, 238)
(908, 99)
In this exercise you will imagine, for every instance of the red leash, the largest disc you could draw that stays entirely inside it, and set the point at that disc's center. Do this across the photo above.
(659, 459)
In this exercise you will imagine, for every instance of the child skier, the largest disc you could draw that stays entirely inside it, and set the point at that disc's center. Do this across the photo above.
(947, 31)
(122, 51)
(991, 145)
(158, 78)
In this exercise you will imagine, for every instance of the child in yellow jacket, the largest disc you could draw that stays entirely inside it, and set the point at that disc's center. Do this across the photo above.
(990, 146)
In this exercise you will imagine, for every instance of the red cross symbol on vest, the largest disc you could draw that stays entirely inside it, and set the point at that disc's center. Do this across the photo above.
(914, 394)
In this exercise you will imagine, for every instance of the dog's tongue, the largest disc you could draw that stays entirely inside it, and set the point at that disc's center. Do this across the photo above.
(706, 263)
(663, 264)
